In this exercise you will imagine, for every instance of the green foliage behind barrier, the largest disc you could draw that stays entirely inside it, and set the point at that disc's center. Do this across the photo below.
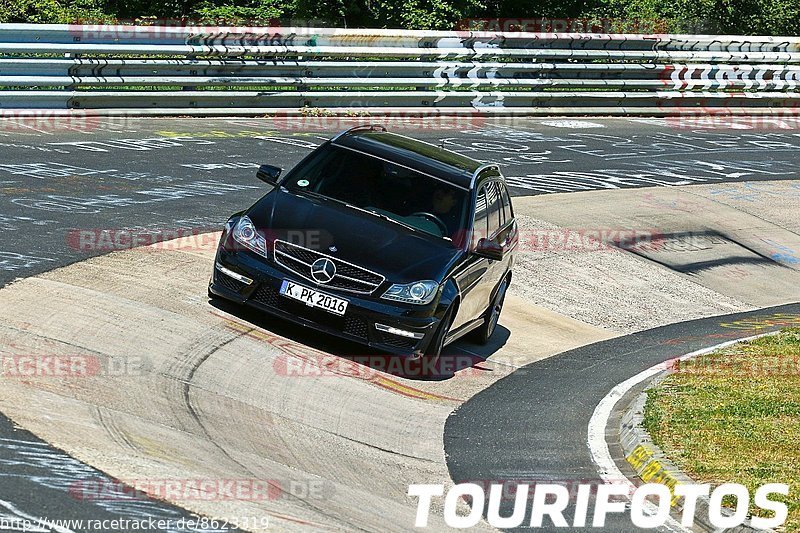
(53, 11)
(733, 17)
(745, 17)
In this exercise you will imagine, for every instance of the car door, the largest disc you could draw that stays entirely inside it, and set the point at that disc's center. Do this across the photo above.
(474, 298)
(496, 232)
(508, 235)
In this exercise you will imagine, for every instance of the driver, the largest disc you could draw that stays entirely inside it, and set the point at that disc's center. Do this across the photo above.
(443, 204)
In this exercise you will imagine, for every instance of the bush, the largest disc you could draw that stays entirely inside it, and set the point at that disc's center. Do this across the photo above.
(51, 11)
(745, 17)
(245, 13)
(736, 17)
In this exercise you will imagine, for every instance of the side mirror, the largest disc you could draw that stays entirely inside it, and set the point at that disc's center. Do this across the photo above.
(268, 174)
(489, 249)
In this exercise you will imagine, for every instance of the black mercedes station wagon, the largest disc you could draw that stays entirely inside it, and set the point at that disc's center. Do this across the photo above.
(377, 238)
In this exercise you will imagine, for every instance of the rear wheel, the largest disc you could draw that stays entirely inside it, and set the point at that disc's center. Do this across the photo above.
(484, 333)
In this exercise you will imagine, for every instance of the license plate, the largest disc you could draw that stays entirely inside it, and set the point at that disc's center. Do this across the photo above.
(313, 298)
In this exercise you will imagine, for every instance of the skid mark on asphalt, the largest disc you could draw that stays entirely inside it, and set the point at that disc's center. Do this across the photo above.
(316, 362)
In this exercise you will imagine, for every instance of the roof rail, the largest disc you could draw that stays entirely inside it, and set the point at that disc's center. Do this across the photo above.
(368, 127)
(481, 169)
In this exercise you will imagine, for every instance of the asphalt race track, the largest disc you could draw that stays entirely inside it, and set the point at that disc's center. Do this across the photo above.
(38, 481)
(725, 200)
(547, 403)
(166, 174)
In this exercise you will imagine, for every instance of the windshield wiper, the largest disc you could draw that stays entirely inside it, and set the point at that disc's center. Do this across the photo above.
(321, 196)
(384, 217)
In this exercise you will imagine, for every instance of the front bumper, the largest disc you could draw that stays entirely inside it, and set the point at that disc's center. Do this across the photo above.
(358, 323)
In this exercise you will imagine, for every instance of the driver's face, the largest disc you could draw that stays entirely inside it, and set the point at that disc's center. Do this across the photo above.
(443, 201)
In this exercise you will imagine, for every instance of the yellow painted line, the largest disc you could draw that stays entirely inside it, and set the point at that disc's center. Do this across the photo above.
(767, 321)
(652, 470)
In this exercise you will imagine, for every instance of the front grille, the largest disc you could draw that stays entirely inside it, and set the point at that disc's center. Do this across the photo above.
(355, 325)
(352, 325)
(268, 296)
(349, 277)
(404, 343)
(229, 283)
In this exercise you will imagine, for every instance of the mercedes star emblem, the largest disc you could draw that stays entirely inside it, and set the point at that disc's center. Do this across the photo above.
(323, 270)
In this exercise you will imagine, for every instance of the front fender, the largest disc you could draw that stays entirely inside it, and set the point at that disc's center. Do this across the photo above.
(448, 297)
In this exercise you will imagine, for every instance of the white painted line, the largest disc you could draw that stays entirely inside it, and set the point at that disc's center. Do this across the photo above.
(572, 124)
(598, 447)
(34, 522)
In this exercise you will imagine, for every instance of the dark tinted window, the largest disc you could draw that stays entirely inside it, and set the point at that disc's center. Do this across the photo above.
(480, 215)
(383, 188)
(494, 207)
(503, 216)
(507, 211)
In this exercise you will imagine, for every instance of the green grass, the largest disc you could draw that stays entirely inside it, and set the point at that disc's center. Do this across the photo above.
(734, 416)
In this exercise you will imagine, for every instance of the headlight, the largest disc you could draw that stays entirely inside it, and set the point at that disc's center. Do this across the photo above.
(245, 234)
(418, 292)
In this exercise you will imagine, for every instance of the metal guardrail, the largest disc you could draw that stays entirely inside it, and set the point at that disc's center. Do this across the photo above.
(226, 70)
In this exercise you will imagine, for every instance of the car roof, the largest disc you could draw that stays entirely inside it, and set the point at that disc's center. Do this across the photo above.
(425, 157)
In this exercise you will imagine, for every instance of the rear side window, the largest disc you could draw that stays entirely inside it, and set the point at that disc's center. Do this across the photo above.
(481, 216)
(494, 207)
(508, 213)
(503, 216)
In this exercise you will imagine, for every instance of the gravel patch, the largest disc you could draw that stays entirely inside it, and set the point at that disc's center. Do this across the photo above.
(607, 287)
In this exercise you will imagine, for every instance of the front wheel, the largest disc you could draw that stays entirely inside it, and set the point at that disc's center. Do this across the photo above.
(426, 365)
(492, 316)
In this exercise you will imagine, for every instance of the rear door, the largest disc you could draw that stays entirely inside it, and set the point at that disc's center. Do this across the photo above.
(497, 232)
(474, 298)
(508, 235)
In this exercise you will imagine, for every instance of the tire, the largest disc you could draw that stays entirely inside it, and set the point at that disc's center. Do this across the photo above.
(492, 315)
(426, 366)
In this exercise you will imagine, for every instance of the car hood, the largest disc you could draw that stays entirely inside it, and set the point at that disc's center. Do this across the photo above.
(400, 254)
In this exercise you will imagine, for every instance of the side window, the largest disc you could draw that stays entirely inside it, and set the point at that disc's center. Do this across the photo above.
(503, 216)
(494, 207)
(507, 211)
(481, 215)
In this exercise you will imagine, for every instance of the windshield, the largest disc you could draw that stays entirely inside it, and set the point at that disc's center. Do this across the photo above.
(383, 188)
